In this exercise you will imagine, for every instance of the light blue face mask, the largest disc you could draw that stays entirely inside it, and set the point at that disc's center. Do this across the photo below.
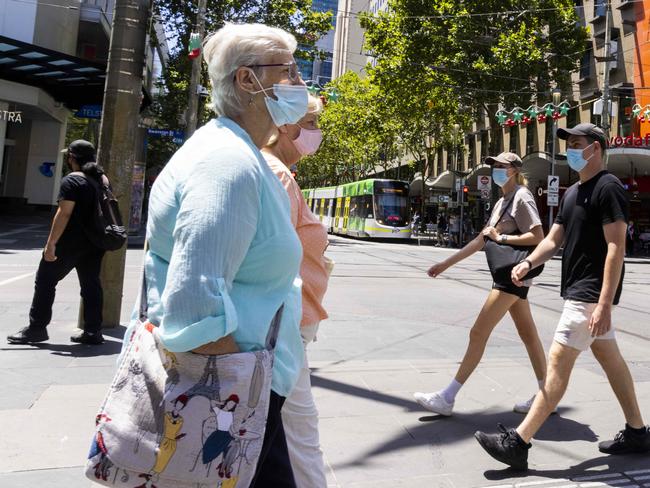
(575, 159)
(291, 103)
(500, 176)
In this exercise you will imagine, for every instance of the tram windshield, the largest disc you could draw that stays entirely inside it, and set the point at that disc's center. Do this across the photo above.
(391, 203)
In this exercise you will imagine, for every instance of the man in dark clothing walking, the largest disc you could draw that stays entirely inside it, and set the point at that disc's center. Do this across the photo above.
(591, 224)
(69, 248)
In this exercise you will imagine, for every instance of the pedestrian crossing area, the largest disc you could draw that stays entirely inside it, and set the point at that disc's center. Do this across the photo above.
(627, 479)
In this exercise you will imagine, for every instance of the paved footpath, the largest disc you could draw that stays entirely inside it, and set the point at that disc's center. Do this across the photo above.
(392, 331)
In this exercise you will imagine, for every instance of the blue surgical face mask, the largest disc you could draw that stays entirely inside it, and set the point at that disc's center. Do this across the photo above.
(500, 176)
(291, 103)
(575, 159)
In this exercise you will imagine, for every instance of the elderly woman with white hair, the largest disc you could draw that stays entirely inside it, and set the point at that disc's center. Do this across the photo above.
(223, 255)
(299, 413)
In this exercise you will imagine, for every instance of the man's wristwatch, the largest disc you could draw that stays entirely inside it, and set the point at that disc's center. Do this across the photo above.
(503, 238)
(530, 265)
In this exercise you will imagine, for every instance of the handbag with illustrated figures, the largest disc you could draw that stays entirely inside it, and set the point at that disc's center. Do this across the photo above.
(181, 420)
(502, 258)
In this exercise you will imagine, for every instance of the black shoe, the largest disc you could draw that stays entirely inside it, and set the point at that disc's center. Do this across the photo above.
(92, 338)
(506, 447)
(28, 335)
(627, 441)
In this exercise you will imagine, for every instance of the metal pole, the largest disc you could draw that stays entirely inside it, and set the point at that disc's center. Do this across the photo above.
(605, 114)
(191, 119)
(119, 129)
(550, 208)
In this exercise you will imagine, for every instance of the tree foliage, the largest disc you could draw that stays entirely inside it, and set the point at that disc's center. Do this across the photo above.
(179, 16)
(443, 62)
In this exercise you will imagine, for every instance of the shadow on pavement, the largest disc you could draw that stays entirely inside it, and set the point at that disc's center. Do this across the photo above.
(439, 431)
(110, 347)
(603, 463)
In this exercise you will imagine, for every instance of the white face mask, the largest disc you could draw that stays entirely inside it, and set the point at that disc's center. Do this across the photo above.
(308, 141)
(291, 104)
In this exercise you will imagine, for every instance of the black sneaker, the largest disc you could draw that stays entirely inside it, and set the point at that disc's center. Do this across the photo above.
(506, 447)
(28, 335)
(92, 338)
(627, 441)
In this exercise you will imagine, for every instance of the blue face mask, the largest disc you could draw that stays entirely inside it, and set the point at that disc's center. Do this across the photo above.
(500, 176)
(575, 159)
(291, 103)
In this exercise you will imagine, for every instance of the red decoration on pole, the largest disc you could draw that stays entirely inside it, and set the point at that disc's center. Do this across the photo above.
(556, 115)
(541, 118)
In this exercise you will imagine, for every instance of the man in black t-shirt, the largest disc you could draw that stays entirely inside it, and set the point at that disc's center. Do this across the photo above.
(591, 224)
(68, 248)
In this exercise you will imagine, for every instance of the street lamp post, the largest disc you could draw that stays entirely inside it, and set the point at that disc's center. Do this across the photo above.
(459, 193)
(556, 94)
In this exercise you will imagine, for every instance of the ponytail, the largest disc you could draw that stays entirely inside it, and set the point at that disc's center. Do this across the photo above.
(521, 179)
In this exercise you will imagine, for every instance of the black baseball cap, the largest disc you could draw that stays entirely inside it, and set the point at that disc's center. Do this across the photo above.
(585, 129)
(505, 158)
(81, 150)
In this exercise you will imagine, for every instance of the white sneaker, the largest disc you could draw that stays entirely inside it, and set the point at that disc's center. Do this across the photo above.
(434, 403)
(524, 407)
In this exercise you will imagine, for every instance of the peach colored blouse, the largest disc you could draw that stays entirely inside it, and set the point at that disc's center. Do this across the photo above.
(313, 237)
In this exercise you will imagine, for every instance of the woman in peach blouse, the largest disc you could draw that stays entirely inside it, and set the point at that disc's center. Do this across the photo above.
(299, 414)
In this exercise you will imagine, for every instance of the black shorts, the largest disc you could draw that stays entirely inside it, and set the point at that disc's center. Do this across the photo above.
(520, 291)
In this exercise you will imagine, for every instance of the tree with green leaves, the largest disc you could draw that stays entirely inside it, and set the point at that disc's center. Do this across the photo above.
(179, 16)
(482, 52)
(359, 134)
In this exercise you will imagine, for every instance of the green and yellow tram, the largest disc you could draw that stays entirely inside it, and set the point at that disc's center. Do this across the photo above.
(371, 208)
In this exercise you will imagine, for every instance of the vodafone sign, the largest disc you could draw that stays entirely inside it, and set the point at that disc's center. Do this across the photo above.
(484, 182)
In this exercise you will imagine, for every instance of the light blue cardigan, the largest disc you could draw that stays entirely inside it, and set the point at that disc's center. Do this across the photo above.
(223, 254)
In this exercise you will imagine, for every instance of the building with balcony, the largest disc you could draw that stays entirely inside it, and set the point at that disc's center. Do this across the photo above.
(628, 155)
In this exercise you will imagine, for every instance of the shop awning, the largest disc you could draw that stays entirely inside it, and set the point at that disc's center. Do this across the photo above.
(472, 177)
(68, 79)
(623, 161)
(537, 167)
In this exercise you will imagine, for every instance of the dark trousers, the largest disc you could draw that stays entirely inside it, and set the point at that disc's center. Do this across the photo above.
(87, 263)
(274, 467)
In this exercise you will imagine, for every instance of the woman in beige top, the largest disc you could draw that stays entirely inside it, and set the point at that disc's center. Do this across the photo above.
(299, 413)
(520, 225)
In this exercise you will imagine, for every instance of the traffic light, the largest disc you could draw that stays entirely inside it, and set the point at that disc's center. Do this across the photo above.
(465, 192)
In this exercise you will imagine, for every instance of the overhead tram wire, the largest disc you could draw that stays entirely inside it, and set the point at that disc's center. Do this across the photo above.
(480, 14)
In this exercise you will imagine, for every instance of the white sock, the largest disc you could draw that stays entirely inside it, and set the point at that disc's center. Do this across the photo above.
(449, 393)
(540, 383)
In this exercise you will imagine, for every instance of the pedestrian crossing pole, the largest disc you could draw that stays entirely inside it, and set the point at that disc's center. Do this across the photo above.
(118, 131)
(193, 97)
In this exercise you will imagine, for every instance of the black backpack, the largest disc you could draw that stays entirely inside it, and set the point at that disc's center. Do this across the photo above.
(107, 230)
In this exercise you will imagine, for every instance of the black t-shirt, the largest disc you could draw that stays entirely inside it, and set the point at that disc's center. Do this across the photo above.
(77, 189)
(584, 209)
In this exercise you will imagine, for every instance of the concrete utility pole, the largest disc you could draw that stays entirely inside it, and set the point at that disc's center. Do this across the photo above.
(605, 114)
(119, 128)
(191, 119)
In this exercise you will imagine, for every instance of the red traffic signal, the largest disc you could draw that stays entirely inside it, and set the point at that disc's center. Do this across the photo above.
(466, 189)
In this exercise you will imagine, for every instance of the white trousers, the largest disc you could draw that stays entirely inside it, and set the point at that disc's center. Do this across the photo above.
(300, 421)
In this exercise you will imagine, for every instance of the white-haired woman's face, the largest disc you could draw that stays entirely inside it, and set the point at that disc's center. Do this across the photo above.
(280, 68)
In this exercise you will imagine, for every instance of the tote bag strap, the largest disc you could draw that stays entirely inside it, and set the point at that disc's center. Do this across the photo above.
(142, 305)
(274, 329)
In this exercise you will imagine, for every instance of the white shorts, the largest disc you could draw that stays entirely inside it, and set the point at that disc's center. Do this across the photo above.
(573, 328)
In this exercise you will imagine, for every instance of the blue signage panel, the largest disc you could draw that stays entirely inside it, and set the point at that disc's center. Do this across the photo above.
(89, 112)
(178, 136)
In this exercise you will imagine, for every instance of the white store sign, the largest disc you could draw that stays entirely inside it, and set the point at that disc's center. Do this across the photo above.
(484, 182)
